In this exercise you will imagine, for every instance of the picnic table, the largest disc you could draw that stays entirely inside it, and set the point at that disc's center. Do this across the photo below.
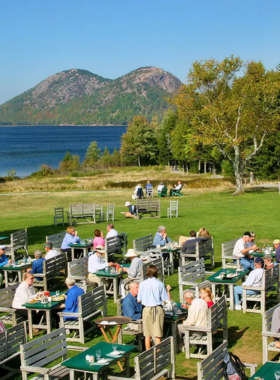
(80, 364)
(4, 238)
(259, 254)
(18, 270)
(266, 372)
(173, 253)
(111, 323)
(172, 319)
(112, 276)
(84, 247)
(216, 279)
(47, 308)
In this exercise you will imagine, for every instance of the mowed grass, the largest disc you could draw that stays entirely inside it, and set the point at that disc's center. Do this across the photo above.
(226, 217)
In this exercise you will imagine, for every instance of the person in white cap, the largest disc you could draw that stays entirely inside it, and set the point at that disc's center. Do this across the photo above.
(132, 211)
(134, 271)
(95, 263)
(3, 261)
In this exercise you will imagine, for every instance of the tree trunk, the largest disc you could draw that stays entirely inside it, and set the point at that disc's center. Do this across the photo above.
(238, 172)
(205, 167)
(198, 166)
(139, 162)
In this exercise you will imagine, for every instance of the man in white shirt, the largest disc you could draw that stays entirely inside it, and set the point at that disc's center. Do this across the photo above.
(198, 311)
(254, 280)
(95, 263)
(49, 251)
(241, 249)
(111, 231)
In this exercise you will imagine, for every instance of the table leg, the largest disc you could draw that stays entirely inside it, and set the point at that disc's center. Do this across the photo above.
(48, 321)
(115, 285)
(20, 276)
(72, 253)
(85, 252)
(71, 375)
(30, 327)
(126, 366)
(231, 297)
(113, 337)
(116, 334)
(214, 291)
(174, 334)
(104, 334)
(6, 278)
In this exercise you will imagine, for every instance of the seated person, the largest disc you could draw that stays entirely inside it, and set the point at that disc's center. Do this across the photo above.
(49, 251)
(254, 280)
(134, 271)
(72, 294)
(138, 192)
(177, 187)
(111, 231)
(96, 263)
(242, 250)
(206, 295)
(70, 237)
(203, 232)
(37, 264)
(99, 239)
(161, 237)
(268, 262)
(252, 239)
(132, 211)
(132, 308)
(148, 188)
(24, 293)
(275, 325)
(189, 245)
(2, 326)
(162, 188)
(276, 245)
(3, 261)
(197, 312)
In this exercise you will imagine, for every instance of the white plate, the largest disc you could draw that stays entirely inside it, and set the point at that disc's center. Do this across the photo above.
(104, 323)
(112, 323)
(102, 361)
(115, 353)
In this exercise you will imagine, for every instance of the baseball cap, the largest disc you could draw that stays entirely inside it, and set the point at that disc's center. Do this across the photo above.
(3, 247)
(247, 233)
(259, 260)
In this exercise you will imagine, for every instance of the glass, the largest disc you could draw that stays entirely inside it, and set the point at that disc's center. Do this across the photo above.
(98, 354)
(277, 374)
(114, 347)
(57, 293)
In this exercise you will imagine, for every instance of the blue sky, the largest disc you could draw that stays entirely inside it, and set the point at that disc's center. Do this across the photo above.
(113, 37)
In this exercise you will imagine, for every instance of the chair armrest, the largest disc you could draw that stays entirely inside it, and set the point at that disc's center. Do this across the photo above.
(252, 288)
(271, 334)
(201, 329)
(35, 369)
(80, 277)
(7, 310)
(118, 378)
(40, 274)
(252, 368)
(65, 314)
(76, 348)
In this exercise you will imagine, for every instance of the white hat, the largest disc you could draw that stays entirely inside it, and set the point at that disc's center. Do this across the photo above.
(3, 247)
(100, 249)
(127, 204)
(131, 253)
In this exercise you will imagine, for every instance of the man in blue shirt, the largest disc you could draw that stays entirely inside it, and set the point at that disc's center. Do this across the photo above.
(71, 304)
(132, 308)
(161, 237)
(3, 261)
(149, 189)
(37, 265)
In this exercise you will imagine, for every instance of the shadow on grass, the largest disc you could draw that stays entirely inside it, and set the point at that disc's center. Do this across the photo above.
(260, 190)
(235, 334)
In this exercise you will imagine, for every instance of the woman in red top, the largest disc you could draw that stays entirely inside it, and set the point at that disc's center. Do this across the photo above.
(206, 295)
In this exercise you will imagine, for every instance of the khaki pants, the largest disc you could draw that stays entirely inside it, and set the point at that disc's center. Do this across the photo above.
(153, 319)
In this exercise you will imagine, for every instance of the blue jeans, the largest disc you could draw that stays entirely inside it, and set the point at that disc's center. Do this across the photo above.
(239, 290)
(247, 263)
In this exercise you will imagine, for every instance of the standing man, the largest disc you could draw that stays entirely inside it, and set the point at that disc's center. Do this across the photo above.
(111, 231)
(242, 250)
(152, 294)
(49, 251)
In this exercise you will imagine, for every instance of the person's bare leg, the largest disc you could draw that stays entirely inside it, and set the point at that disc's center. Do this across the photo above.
(158, 340)
(129, 215)
(147, 342)
(277, 344)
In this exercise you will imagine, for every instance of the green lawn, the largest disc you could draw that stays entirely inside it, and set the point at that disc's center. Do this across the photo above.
(225, 216)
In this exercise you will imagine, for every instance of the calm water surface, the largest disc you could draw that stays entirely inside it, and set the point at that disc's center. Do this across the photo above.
(25, 149)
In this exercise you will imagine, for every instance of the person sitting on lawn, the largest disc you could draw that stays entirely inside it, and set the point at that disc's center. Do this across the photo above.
(253, 280)
(138, 192)
(275, 325)
(149, 187)
(132, 211)
(161, 237)
(197, 312)
(242, 250)
(37, 264)
(49, 251)
(206, 295)
(99, 239)
(132, 308)
(162, 188)
(177, 187)
(134, 271)
(96, 263)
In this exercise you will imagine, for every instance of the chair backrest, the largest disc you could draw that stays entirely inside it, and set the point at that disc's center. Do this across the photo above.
(192, 272)
(110, 212)
(174, 205)
(11, 339)
(52, 267)
(19, 239)
(140, 193)
(44, 350)
(158, 262)
(82, 209)
(59, 212)
(3, 346)
(93, 300)
(211, 368)
(56, 240)
(217, 312)
(150, 190)
(7, 296)
(149, 204)
(227, 248)
(113, 245)
(267, 318)
(204, 248)
(78, 267)
(270, 277)
(153, 361)
(141, 244)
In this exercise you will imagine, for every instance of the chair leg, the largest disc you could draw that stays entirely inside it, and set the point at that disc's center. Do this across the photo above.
(187, 344)
(265, 349)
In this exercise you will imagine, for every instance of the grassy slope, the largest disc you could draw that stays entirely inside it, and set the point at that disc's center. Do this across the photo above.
(225, 216)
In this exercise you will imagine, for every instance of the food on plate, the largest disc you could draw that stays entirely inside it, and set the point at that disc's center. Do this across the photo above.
(58, 298)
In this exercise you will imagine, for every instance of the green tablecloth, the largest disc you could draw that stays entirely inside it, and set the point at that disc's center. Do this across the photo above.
(174, 317)
(79, 362)
(233, 280)
(43, 306)
(267, 371)
(18, 267)
(78, 245)
(258, 254)
(4, 237)
(104, 273)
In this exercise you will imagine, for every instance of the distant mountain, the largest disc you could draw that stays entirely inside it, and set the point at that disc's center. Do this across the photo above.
(82, 98)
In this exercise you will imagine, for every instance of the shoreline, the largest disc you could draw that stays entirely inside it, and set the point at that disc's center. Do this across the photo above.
(63, 125)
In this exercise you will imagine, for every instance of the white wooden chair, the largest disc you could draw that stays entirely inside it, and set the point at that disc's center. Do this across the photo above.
(18, 241)
(228, 260)
(267, 334)
(99, 213)
(149, 193)
(189, 275)
(201, 250)
(58, 216)
(110, 213)
(172, 211)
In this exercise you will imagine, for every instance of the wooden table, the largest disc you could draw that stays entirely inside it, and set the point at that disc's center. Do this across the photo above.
(115, 277)
(266, 372)
(215, 280)
(79, 363)
(172, 320)
(18, 271)
(119, 321)
(84, 247)
(47, 308)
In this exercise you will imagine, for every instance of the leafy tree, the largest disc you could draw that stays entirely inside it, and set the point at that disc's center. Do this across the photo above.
(116, 158)
(164, 131)
(139, 141)
(70, 162)
(235, 114)
(93, 153)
